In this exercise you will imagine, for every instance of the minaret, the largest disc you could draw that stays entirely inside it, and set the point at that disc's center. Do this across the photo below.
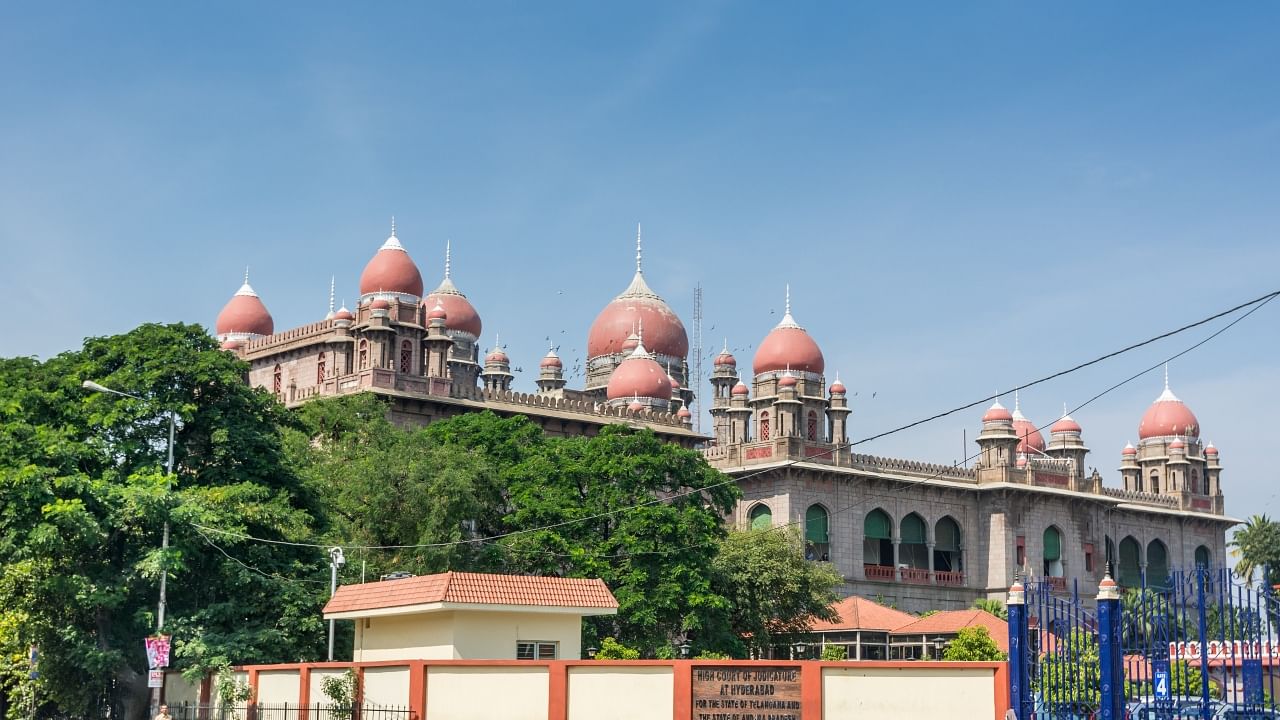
(437, 343)
(496, 375)
(999, 443)
(838, 413)
(1066, 442)
(551, 374)
(332, 280)
(739, 415)
(723, 378)
(787, 407)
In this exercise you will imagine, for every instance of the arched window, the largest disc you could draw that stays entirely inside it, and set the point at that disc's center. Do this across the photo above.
(320, 370)
(1202, 557)
(277, 377)
(1157, 565)
(1052, 552)
(406, 357)
(813, 425)
(816, 545)
(946, 546)
(1155, 482)
(761, 517)
(764, 425)
(1195, 483)
(1130, 574)
(364, 354)
(913, 543)
(877, 539)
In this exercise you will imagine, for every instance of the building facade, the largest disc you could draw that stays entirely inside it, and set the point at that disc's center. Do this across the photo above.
(920, 535)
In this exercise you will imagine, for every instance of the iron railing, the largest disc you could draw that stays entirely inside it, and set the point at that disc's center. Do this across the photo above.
(289, 711)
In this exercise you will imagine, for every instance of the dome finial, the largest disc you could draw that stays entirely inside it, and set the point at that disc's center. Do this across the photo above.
(1017, 402)
(788, 305)
(332, 279)
(638, 269)
(393, 226)
(1166, 376)
(726, 346)
(448, 257)
(1064, 409)
(497, 341)
(246, 282)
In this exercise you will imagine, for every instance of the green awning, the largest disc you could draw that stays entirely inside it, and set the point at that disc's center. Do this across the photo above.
(877, 526)
(815, 524)
(761, 517)
(913, 530)
(1130, 572)
(1052, 544)
(947, 536)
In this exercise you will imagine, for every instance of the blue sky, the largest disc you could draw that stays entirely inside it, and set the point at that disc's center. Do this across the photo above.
(963, 198)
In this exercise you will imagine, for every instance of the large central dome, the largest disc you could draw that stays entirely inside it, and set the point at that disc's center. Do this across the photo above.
(638, 306)
(788, 347)
(391, 271)
(1168, 416)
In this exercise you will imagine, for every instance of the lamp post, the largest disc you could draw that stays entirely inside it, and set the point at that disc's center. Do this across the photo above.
(939, 644)
(164, 537)
(799, 649)
(336, 560)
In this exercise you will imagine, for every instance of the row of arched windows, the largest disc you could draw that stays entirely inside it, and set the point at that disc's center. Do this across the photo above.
(764, 426)
(878, 535)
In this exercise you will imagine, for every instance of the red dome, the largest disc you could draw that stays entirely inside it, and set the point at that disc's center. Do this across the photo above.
(683, 413)
(1129, 449)
(725, 359)
(1022, 460)
(438, 312)
(1177, 445)
(837, 388)
(244, 314)
(1168, 416)
(636, 406)
(379, 304)
(637, 307)
(675, 384)
(462, 315)
(1028, 435)
(1211, 450)
(231, 345)
(551, 360)
(1066, 424)
(497, 356)
(788, 347)
(391, 270)
(741, 389)
(344, 314)
(787, 380)
(997, 413)
(639, 376)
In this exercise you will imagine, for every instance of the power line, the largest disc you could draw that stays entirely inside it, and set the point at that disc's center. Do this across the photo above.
(1258, 303)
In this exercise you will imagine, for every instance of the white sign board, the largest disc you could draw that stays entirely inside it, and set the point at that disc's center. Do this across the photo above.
(155, 678)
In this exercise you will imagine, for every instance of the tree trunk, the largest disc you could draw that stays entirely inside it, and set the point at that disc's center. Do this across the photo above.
(131, 687)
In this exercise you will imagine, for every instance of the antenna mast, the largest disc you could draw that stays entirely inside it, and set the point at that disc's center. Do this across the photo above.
(697, 357)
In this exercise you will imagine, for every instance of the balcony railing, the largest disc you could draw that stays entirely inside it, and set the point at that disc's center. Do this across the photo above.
(879, 572)
(946, 577)
(915, 576)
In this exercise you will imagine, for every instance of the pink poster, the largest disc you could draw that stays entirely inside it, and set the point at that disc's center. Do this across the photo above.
(158, 651)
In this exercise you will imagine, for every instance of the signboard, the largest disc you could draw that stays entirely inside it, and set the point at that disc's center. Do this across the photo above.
(1160, 680)
(158, 651)
(155, 678)
(1252, 672)
(1218, 650)
(753, 692)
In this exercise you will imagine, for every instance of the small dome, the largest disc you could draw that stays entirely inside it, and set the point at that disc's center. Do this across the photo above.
(1177, 444)
(1211, 450)
(497, 356)
(837, 388)
(462, 316)
(997, 413)
(551, 360)
(231, 345)
(1129, 449)
(244, 315)
(1022, 460)
(725, 359)
(683, 413)
(675, 384)
(344, 314)
(391, 270)
(379, 304)
(788, 380)
(438, 313)
(1066, 424)
(639, 376)
(740, 389)
(636, 406)
(1168, 416)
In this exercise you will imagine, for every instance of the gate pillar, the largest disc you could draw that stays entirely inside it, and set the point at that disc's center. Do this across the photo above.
(1110, 650)
(1019, 668)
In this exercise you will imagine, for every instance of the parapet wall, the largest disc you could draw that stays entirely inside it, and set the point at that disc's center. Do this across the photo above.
(654, 689)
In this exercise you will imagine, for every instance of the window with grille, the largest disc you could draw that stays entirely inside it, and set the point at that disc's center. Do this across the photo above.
(320, 370)
(813, 425)
(364, 354)
(406, 356)
(764, 426)
(535, 650)
(276, 377)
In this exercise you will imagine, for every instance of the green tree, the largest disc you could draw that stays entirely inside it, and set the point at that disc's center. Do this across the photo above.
(993, 606)
(611, 649)
(1069, 676)
(85, 498)
(832, 653)
(774, 594)
(973, 644)
(1257, 545)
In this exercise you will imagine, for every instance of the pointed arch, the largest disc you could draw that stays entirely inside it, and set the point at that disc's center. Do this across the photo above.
(1052, 552)
(760, 517)
(812, 426)
(877, 540)
(913, 542)
(277, 380)
(1130, 574)
(764, 425)
(1157, 564)
(947, 552)
(816, 533)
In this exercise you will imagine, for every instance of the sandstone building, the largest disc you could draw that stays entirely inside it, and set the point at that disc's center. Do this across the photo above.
(921, 535)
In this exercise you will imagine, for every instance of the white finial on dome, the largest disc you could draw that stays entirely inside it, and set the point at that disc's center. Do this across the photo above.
(1064, 410)
(393, 242)
(393, 226)
(448, 258)
(1017, 407)
(332, 280)
(725, 351)
(787, 320)
(1166, 376)
(497, 341)
(640, 351)
(246, 289)
(638, 269)
(788, 306)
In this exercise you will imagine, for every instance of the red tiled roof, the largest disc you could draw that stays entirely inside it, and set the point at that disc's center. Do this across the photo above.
(473, 588)
(858, 613)
(950, 622)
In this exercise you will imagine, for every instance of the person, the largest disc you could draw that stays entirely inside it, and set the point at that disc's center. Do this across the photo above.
(164, 713)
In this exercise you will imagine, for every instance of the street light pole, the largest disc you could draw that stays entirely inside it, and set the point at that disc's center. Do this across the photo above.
(336, 560)
(164, 537)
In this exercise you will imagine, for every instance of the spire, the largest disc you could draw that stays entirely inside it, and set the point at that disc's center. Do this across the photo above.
(1064, 410)
(787, 320)
(393, 242)
(448, 258)
(1017, 407)
(638, 270)
(246, 289)
(1166, 372)
(1166, 367)
(788, 306)
(332, 280)
(725, 351)
(393, 226)
(1167, 395)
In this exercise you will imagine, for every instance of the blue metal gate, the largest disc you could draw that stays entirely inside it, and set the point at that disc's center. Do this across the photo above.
(1195, 644)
